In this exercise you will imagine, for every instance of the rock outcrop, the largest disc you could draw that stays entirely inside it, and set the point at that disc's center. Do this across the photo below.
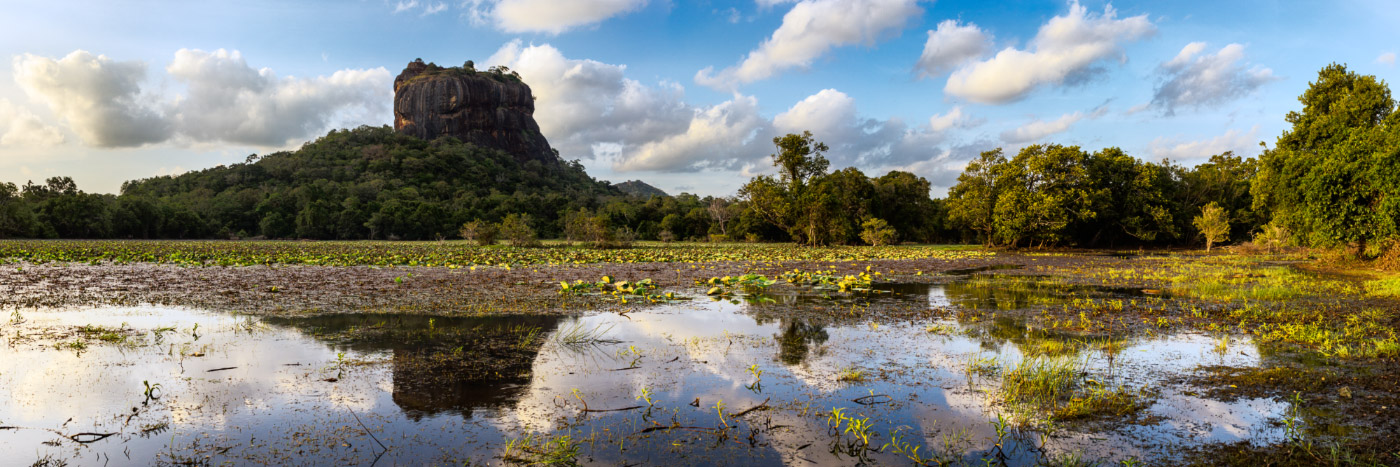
(487, 108)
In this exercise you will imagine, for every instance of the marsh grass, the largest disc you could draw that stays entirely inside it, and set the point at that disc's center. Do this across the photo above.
(577, 335)
(851, 375)
(1041, 382)
(542, 450)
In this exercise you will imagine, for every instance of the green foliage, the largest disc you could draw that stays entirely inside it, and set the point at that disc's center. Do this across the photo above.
(1334, 176)
(818, 208)
(516, 229)
(1040, 192)
(972, 202)
(1213, 224)
(877, 232)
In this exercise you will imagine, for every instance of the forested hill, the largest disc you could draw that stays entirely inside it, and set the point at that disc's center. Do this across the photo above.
(369, 182)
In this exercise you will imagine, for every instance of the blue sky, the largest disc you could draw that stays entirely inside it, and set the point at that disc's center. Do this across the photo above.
(684, 95)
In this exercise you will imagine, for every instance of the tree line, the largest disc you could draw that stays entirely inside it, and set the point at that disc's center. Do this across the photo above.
(1332, 179)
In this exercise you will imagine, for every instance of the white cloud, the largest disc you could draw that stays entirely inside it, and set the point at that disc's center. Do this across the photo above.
(1387, 58)
(1064, 50)
(225, 100)
(1243, 144)
(954, 118)
(951, 45)
(20, 127)
(551, 16)
(592, 110)
(229, 101)
(99, 98)
(717, 137)
(831, 117)
(809, 30)
(1194, 80)
(403, 6)
(579, 103)
(1038, 129)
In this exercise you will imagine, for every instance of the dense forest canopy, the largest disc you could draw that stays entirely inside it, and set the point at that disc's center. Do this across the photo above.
(1332, 179)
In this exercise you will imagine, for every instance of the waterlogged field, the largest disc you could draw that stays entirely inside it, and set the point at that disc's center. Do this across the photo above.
(211, 353)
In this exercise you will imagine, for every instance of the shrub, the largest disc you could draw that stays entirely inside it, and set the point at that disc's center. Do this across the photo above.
(666, 236)
(516, 228)
(483, 233)
(877, 232)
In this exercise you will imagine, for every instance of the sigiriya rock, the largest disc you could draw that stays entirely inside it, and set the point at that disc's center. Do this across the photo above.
(492, 109)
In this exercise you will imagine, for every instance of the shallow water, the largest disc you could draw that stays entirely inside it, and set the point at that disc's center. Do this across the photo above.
(313, 390)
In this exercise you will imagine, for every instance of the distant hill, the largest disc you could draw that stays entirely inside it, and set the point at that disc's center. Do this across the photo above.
(373, 182)
(640, 189)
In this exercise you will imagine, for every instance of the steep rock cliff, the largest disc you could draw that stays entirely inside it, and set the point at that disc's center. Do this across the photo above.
(487, 108)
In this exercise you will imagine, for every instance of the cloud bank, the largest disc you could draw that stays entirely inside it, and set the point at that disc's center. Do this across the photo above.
(1065, 50)
(810, 30)
(225, 100)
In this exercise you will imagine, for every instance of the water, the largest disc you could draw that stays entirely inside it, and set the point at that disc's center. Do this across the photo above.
(452, 389)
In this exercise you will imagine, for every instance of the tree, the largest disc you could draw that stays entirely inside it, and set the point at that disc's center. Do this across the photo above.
(877, 232)
(1213, 224)
(1131, 200)
(1331, 178)
(972, 202)
(1041, 192)
(784, 201)
(719, 211)
(516, 228)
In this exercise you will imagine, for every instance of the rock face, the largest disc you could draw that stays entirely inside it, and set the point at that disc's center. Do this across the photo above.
(485, 108)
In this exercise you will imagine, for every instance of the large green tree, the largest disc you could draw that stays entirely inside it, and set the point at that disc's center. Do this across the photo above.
(1331, 177)
(972, 202)
(1041, 192)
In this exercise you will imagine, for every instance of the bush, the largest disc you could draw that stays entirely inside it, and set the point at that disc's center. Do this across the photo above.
(751, 237)
(877, 232)
(718, 238)
(624, 237)
(516, 228)
(666, 236)
(1273, 237)
(483, 233)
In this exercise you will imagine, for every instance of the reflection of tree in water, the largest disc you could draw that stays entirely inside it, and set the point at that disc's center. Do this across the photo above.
(444, 363)
(797, 339)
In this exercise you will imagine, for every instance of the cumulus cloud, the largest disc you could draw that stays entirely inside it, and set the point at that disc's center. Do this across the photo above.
(954, 118)
(1242, 143)
(20, 127)
(1387, 58)
(1065, 50)
(1194, 80)
(591, 108)
(832, 118)
(99, 98)
(1038, 129)
(227, 100)
(551, 16)
(809, 30)
(951, 45)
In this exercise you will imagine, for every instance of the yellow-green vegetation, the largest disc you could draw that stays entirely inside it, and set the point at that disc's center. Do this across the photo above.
(851, 375)
(454, 254)
(1055, 388)
(827, 280)
(1385, 287)
(645, 289)
(542, 450)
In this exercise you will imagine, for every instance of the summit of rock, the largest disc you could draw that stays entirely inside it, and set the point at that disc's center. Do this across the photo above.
(492, 108)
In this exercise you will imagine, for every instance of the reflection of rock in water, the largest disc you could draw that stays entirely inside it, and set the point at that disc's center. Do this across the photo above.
(443, 364)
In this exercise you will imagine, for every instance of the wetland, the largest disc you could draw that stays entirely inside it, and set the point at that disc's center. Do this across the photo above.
(360, 353)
